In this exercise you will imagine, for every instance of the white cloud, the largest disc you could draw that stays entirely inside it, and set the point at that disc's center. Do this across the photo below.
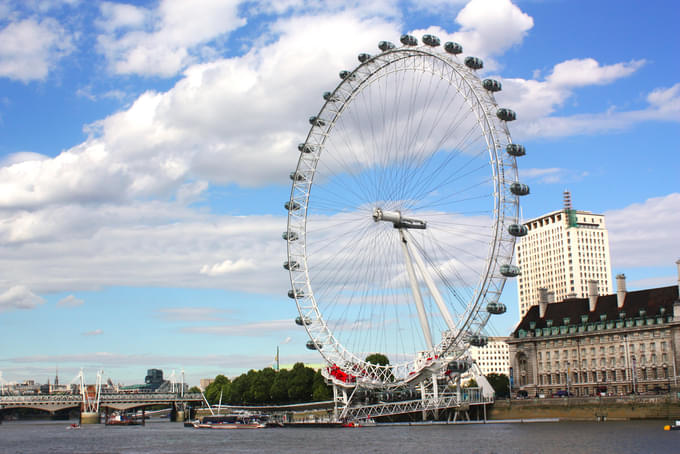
(162, 41)
(587, 71)
(645, 234)
(19, 297)
(94, 332)
(70, 301)
(249, 329)
(31, 48)
(551, 175)
(191, 314)
(228, 266)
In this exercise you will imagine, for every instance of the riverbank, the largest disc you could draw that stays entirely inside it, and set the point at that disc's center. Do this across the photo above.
(620, 408)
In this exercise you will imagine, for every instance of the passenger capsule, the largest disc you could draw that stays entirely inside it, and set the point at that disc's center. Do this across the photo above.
(316, 121)
(302, 321)
(291, 206)
(311, 345)
(515, 149)
(305, 148)
(453, 48)
(506, 114)
(474, 63)
(385, 45)
(291, 266)
(457, 367)
(510, 270)
(363, 58)
(519, 189)
(289, 236)
(496, 308)
(491, 85)
(297, 176)
(431, 40)
(518, 230)
(296, 293)
(330, 97)
(408, 40)
(478, 340)
(344, 74)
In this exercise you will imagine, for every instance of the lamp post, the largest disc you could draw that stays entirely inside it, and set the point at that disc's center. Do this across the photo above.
(634, 370)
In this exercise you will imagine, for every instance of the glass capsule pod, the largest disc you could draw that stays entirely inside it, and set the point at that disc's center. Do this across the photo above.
(496, 308)
(289, 236)
(478, 340)
(316, 121)
(302, 321)
(291, 265)
(491, 85)
(408, 40)
(344, 74)
(510, 270)
(515, 149)
(474, 63)
(296, 293)
(506, 114)
(453, 48)
(304, 147)
(519, 189)
(297, 176)
(311, 345)
(518, 230)
(385, 45)
(363, 57)
(431, 40)
(328, 96)
(458, 366)
(291, 206)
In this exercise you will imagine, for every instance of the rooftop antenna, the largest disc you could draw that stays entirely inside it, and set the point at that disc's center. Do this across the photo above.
(567, 199)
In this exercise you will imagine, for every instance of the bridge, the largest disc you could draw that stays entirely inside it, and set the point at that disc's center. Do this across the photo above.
(91, 410)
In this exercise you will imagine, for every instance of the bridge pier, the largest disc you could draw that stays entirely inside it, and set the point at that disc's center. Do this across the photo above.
(89, 417)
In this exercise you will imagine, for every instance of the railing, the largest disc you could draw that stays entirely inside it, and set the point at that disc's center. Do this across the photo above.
(76, 399)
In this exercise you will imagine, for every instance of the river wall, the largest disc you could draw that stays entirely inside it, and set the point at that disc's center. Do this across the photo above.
(588, 409)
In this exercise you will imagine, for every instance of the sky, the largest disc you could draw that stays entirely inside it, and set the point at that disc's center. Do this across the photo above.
(145, 149)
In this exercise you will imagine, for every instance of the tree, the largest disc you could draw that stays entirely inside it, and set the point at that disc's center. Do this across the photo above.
(300, 383)
(378, 358)
(320, 390)
(500, 384)
(260, 388)
(221, 384)
(279, 389)
(194, 389)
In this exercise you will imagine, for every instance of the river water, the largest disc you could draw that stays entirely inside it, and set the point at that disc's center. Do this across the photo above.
(167, 438)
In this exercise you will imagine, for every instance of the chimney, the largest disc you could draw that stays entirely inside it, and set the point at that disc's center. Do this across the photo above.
(620, 290)
(551, 297)
(542, 301)
(592, 294)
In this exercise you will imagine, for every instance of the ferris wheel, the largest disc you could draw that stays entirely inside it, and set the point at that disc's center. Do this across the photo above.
(403, 214)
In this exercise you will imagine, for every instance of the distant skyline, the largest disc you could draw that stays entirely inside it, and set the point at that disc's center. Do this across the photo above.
(145, 149)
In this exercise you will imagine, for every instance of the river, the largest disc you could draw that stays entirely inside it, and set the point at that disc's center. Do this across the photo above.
(24, 437)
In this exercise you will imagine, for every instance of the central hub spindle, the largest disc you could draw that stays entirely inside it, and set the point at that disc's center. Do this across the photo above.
(397, 219)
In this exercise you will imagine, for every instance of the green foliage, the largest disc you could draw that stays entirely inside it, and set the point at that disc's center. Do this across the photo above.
(300, 384)
(378, 358)
(500, 384)
(194, 389)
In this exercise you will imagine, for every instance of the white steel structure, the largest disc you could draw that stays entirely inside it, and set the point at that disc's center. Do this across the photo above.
(562, 251)
(403, 216)
(492, 358)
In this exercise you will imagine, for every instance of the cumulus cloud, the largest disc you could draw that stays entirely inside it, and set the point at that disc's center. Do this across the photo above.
(645, 234)
(228, 266)
(31, 48)
(19, 297)
(70, 301)
(164, 40)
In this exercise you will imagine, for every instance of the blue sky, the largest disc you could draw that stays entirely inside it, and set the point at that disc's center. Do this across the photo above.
(145, 150)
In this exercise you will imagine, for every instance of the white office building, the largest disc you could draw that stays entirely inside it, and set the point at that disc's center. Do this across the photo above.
(494, 357)
(562, 251)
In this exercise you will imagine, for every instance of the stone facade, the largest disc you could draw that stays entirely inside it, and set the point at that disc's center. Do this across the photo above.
(604, 345)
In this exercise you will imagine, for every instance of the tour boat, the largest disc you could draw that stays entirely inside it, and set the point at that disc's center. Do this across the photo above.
(229, 422)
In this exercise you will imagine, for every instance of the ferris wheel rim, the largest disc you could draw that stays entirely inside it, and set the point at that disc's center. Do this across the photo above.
(321, 335)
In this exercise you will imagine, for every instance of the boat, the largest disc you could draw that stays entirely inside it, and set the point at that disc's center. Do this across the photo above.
(73, 426)
(674, 426)
(119, 419)
(229, 422)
